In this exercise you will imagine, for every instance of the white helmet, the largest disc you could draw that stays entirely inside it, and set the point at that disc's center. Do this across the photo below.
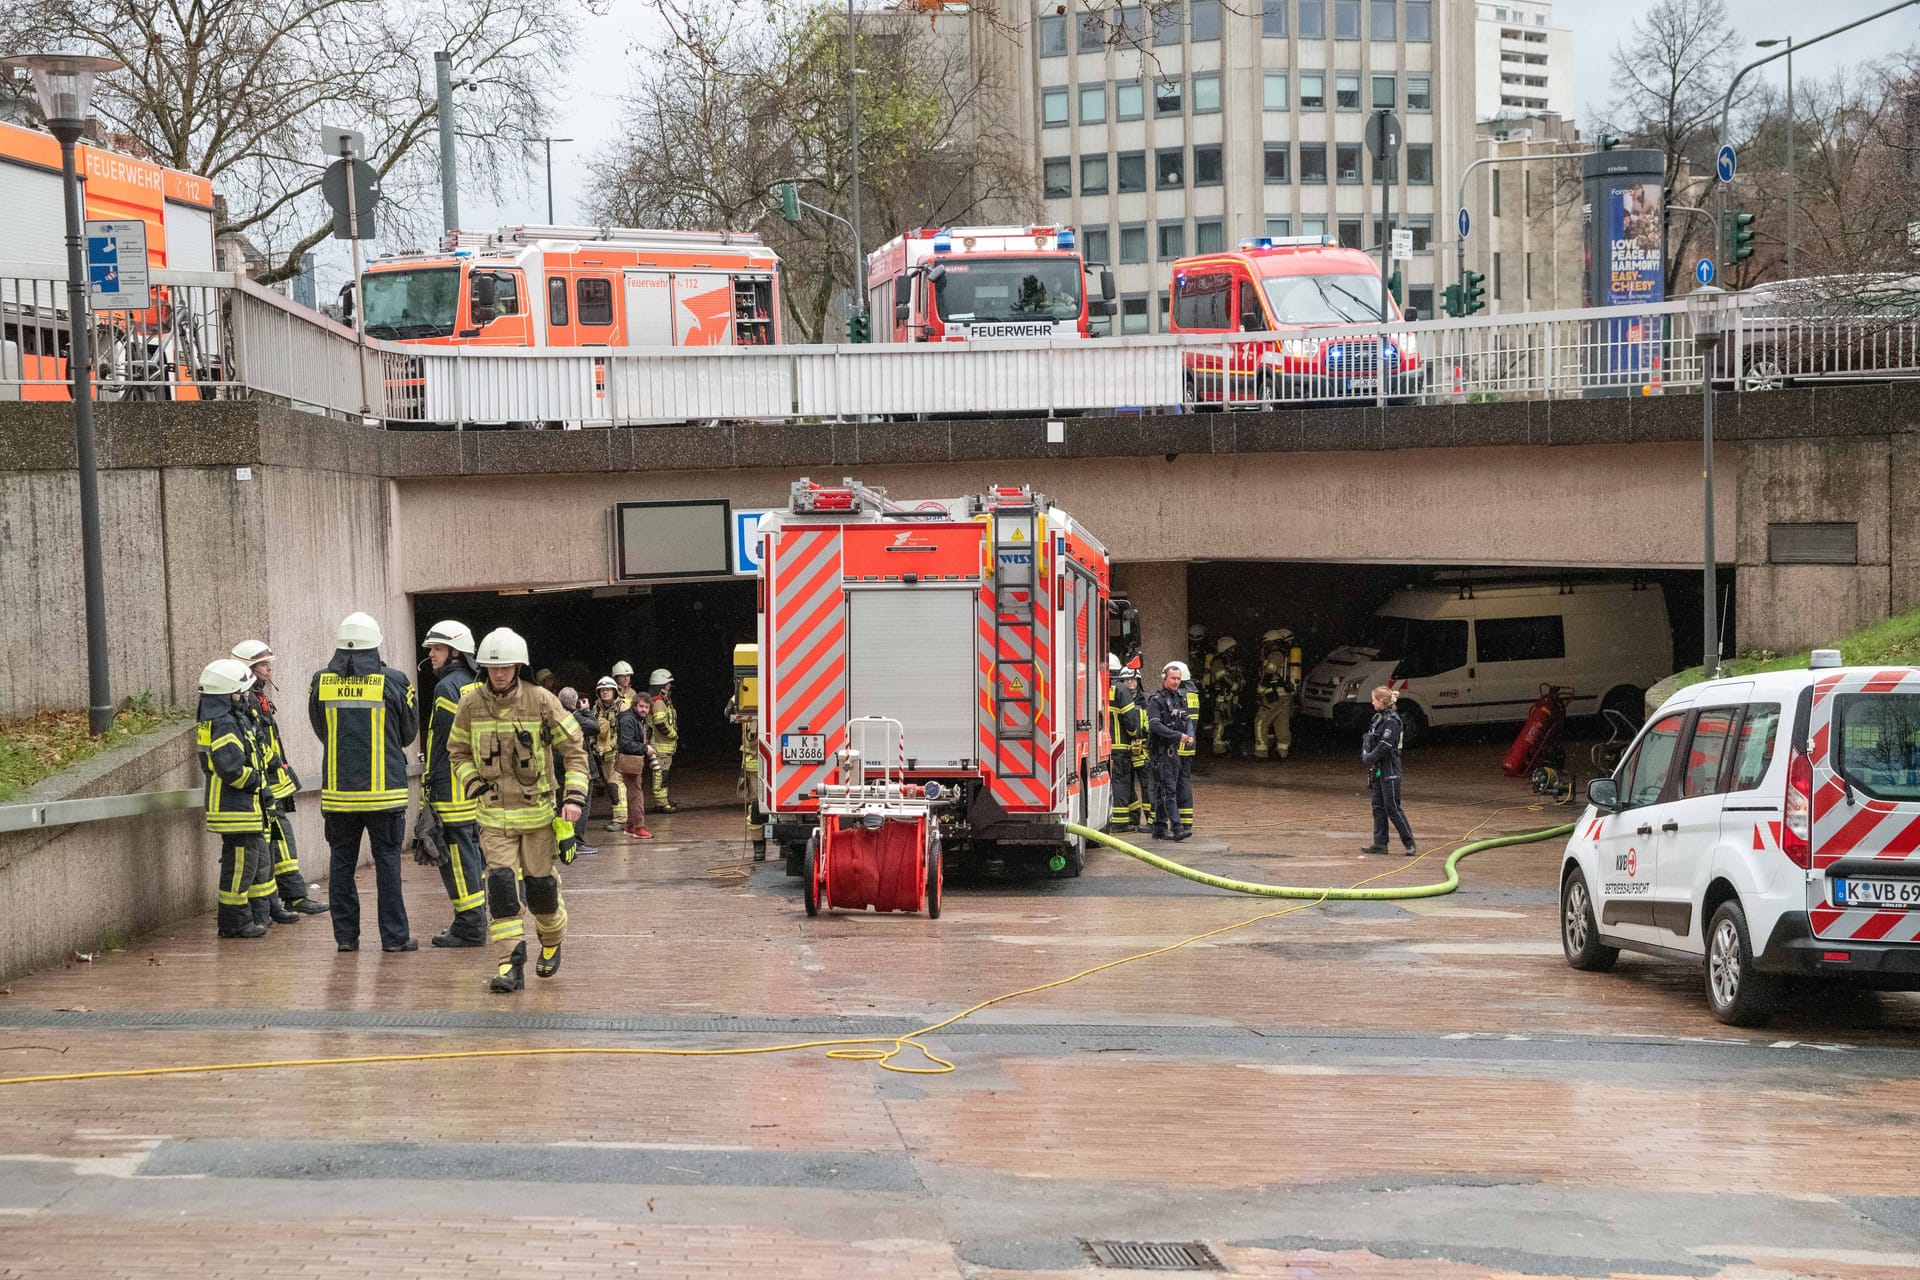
(1196, 632)
(357, 631)
(457, 636)
(1278, 635)
(252, 651)
(1225, 643)
(502, 648)
(659, 677)
(225, 675)
(1179, 668)
(623, 668)
(1113, 664)
(608, 682)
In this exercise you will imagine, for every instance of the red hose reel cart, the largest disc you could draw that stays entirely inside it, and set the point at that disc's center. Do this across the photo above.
(877, 844)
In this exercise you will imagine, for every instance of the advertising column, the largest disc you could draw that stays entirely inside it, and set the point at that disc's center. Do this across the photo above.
(1624, 220)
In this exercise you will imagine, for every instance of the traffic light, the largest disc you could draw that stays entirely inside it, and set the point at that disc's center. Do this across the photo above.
(859, 327)
(1740, 237)
(1473, 293)
(1608, 141)
(1393, 287)
(1450, 302)
(789, 201)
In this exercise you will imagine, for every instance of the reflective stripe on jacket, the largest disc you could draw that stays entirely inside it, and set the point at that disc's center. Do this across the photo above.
(365, 717)
(230, 759)
(437, 783)
(501, 748)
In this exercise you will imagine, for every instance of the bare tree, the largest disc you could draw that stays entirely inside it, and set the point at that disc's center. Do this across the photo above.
(741, 101)
(237, 90)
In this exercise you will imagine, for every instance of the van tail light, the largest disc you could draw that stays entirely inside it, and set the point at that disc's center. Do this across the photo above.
(1796, 833)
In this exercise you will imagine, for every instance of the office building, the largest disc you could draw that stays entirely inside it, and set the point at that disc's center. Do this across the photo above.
(1522, 63)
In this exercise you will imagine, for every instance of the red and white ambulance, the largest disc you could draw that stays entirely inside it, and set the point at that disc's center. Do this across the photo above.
(978, 623)
(954, 284)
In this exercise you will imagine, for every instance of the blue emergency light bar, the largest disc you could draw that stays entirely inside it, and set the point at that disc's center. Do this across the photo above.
(942, 242)
(1065, 239)
(1286, 242)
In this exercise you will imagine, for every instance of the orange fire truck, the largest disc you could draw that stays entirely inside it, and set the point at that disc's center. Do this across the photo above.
(980, 624)
(579, 287)
(153, 347)
(953, 284)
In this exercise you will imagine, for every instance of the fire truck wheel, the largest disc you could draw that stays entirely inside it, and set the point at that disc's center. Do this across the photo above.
(810, 878)
(934, 878)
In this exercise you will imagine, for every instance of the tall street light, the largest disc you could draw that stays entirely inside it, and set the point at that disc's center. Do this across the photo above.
(64, 84)
(1704, 306)
(1792, 128)
(549, 143)
(853, 133)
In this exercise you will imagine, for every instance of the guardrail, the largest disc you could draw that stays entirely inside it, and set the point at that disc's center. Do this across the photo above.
(212, 335)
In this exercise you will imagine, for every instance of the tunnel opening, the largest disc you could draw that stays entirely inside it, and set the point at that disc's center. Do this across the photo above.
(690, 628)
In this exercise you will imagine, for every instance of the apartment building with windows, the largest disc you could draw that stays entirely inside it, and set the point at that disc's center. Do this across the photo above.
(1522, 63)
(1185, 126)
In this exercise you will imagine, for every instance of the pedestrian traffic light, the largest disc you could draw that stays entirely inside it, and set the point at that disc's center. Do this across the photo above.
(1473, 293)
(1450, 302)
(859, 327)
(1740, 237)
(789, 201)
(1393, 287)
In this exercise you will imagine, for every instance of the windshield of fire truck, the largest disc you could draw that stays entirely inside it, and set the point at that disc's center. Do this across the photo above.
(1350, 297)
(1010, 289)
(418, 303)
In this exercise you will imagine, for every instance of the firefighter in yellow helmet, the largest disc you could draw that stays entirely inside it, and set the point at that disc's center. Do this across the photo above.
(666, 734)
(1273, 688)
(238, 797)
(502, 747)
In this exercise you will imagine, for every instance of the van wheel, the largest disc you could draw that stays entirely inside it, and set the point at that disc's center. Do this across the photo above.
(1738, 995)
(1629, 702)
(1413, 727)
(1579, 934)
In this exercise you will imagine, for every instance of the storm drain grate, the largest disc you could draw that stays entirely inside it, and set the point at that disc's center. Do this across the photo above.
(1154, 1255)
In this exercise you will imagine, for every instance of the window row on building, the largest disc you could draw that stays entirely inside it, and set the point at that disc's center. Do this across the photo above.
(1127, 171)
(1200, 21)
(1140, 242)
(1127, 99)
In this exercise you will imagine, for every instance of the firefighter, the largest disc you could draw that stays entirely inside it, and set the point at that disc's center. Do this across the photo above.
(747, 786)
(502, 746)
(1126, 729)
(1182, 796)
(1227, 685)
(1380, 752)
(589, 725)
(1171, 726)
(1199, 653)
(364, 715)
(606, 745)
(665, 723)
(238, 795)
(449, 648)
(1274, 687)
(1142, 770)
(623, 680)
(295, 894)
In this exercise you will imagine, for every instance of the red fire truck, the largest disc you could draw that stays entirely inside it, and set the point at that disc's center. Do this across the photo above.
(981, 624)
(956, 283)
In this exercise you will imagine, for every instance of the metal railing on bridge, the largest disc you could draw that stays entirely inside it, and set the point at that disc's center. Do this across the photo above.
(211, 335)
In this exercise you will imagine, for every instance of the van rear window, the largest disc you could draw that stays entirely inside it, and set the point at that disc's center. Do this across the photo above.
(1876, 740)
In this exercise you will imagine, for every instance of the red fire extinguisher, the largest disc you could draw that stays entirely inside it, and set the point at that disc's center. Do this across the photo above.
(1544, 721)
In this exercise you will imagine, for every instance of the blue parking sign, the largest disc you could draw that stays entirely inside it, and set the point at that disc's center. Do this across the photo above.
(746, 543)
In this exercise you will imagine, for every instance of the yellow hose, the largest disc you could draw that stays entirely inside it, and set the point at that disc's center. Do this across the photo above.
(882, 1050)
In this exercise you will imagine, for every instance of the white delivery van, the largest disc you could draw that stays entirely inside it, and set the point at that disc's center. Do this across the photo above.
(1760, 826)
(1478, 653)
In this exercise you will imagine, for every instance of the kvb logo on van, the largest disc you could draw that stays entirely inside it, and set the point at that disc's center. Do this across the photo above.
(1628, 862)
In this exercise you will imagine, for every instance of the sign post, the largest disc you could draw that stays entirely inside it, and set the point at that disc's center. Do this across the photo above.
(349, 182)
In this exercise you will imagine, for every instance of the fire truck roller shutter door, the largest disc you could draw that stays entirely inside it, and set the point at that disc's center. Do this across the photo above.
(911, 656)
(649, 306)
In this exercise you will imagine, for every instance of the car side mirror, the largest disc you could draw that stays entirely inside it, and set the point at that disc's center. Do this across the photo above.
(1106, 287)
(902, 291)
(936, 273)
(903, 312)
(1604, 793)
(346, 303)
(1411, 314)
(486, 297)
(1100, 307)
(1252, 323)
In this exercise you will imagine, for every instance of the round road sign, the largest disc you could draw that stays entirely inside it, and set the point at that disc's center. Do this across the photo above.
(1723, 162)
(1703, 271)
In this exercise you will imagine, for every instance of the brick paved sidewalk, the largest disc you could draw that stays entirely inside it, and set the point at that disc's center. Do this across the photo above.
(1352, 1090)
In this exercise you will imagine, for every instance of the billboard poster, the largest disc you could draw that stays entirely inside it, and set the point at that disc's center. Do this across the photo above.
(1634, 263)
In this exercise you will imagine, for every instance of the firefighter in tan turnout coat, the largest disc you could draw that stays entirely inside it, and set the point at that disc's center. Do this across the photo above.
(504, 740)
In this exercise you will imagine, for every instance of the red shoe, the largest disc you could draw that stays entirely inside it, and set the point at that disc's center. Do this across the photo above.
(640, 833)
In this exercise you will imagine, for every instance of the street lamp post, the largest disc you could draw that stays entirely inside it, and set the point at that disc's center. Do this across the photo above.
(64, 84)
(550, 142)
(1792, 128)
(853, 133)
(1704, 307)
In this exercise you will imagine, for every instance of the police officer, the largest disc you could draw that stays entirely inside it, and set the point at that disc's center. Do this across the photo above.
(364, 714)
(237, 796)
(665, 722)
(606, 745)
(502, 747)
(449, 647)
(1126, 729)
(1274, 687)
(1380, 752)
(295, 894)
(1227, 686)
(1170, 724)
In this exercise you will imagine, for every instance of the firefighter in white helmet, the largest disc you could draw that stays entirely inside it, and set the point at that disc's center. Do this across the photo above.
(1171, 728)
(295, 896)
(364, 714)
(1273, 689)
(1226, 686)
(665, 721)
(449, 647)
(623, 678)
(1126, 727)
(607, 706)
(238, 797)
(502, 747)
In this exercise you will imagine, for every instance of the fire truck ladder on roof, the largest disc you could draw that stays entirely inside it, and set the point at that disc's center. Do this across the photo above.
(1016, 560)
(617, 236)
